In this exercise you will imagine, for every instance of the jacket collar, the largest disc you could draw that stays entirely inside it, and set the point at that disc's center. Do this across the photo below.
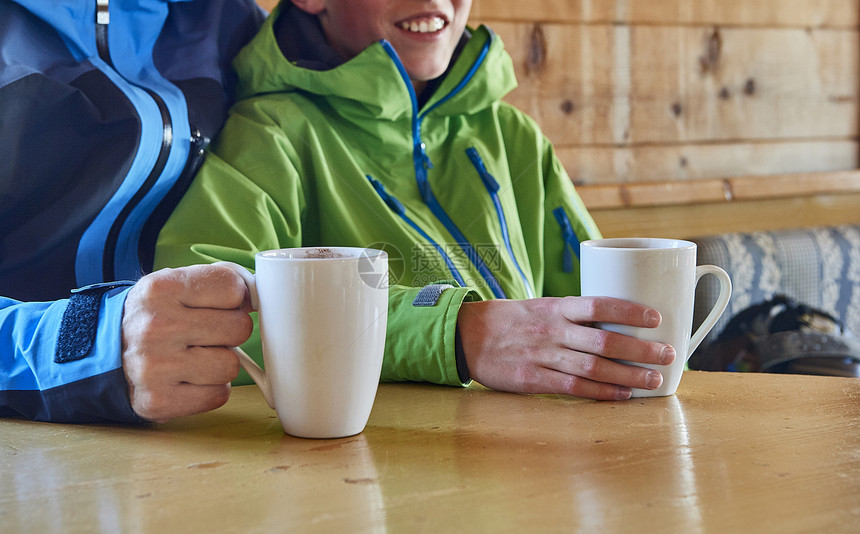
(290, 54)
(75, 20)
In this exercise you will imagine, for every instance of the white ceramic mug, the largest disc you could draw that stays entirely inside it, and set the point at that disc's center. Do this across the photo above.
(322, 314)
(662, 274)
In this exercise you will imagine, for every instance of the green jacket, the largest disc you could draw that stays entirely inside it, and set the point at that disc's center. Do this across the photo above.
(345, 157)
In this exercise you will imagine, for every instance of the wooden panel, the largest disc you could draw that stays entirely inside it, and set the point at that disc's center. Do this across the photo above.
(611, 85)
(813, 13)
(805, 13)
(718, 190)
(655, 163)
(741, 216)
(691, 84)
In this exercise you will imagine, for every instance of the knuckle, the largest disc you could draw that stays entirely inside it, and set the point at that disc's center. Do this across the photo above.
(235, 327)
(219, 396)
(602, 341)
(546, 306)
(539, 330)
(591, 366)
(228, 282)
(572, 385)
(227, 363)
(246, 327)
(523, 378)
(591, 307)
(233, 368)
(148, 406)
(143, 373)
(158, 283)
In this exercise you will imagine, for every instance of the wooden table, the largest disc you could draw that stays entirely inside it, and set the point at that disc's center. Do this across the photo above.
(729, 453)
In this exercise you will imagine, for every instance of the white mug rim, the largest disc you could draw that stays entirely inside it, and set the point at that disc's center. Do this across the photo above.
(300, 254)
(638, 243)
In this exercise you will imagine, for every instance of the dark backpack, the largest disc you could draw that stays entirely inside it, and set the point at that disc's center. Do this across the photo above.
(781, 335)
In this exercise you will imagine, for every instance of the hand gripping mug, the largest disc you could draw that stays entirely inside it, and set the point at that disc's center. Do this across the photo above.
(662, 274)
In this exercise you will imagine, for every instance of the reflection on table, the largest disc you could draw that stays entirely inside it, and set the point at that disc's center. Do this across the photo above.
(727, 453)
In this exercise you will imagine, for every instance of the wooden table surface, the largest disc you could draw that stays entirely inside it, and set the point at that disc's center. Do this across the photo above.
(728, 453)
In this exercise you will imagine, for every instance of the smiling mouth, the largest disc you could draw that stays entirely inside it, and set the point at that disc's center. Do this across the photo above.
(430, 25)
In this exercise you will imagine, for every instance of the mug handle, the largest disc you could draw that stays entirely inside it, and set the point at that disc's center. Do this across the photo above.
(719, 305)
(248, 364)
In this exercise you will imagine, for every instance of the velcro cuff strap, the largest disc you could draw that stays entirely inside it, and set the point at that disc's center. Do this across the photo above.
(429, 295)
(80, 322)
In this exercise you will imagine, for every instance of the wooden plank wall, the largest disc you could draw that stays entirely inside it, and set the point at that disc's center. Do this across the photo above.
(689, 117)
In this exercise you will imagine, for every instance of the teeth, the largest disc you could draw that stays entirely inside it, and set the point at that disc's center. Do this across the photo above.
(425, 26)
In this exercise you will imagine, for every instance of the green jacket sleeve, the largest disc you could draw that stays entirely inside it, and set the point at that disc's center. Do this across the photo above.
(419, 346)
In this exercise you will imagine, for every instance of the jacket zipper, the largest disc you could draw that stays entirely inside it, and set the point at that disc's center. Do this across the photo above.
(397, 207)
(571, 242)
(149, 233)
(422, 164)
(493, 189)
(102, 24)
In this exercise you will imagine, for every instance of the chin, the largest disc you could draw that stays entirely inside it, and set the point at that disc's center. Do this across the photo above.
(426, 74)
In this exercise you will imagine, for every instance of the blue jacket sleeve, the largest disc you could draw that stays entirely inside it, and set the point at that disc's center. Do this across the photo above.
(64, 363)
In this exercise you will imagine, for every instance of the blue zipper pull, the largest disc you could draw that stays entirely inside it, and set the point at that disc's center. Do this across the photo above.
(421, 157)
(422, 164)
(493, 187)
(491, 184)
(571, 243)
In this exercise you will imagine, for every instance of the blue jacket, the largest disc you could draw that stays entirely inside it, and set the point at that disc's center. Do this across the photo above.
(104, 114)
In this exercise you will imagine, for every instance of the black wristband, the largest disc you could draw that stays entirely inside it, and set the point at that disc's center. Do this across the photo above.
(462, 367)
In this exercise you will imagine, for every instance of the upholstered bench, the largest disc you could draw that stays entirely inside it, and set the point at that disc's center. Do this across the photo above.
(818, 267)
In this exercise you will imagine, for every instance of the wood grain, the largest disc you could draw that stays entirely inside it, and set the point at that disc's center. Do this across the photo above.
(629, 86)
(728, 453)
(803, 13)
(698, 219)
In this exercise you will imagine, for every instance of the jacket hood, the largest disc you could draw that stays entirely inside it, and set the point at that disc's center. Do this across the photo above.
(372, 81)
(75, 19)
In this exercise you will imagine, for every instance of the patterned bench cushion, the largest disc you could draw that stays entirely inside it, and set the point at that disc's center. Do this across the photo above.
(819, 267)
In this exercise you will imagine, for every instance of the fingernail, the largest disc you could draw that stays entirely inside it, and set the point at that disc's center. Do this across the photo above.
(667, 355)
(652, 318)
(623, 393)
(653, 380)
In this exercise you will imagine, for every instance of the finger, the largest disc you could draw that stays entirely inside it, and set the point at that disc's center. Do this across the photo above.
(606, 371)
(608, 344)
(209, 366)
(199, 286)
(201, 366)
(608, 310)
(578, 386)
(546, 380)
(211, 327)
(186, 399)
